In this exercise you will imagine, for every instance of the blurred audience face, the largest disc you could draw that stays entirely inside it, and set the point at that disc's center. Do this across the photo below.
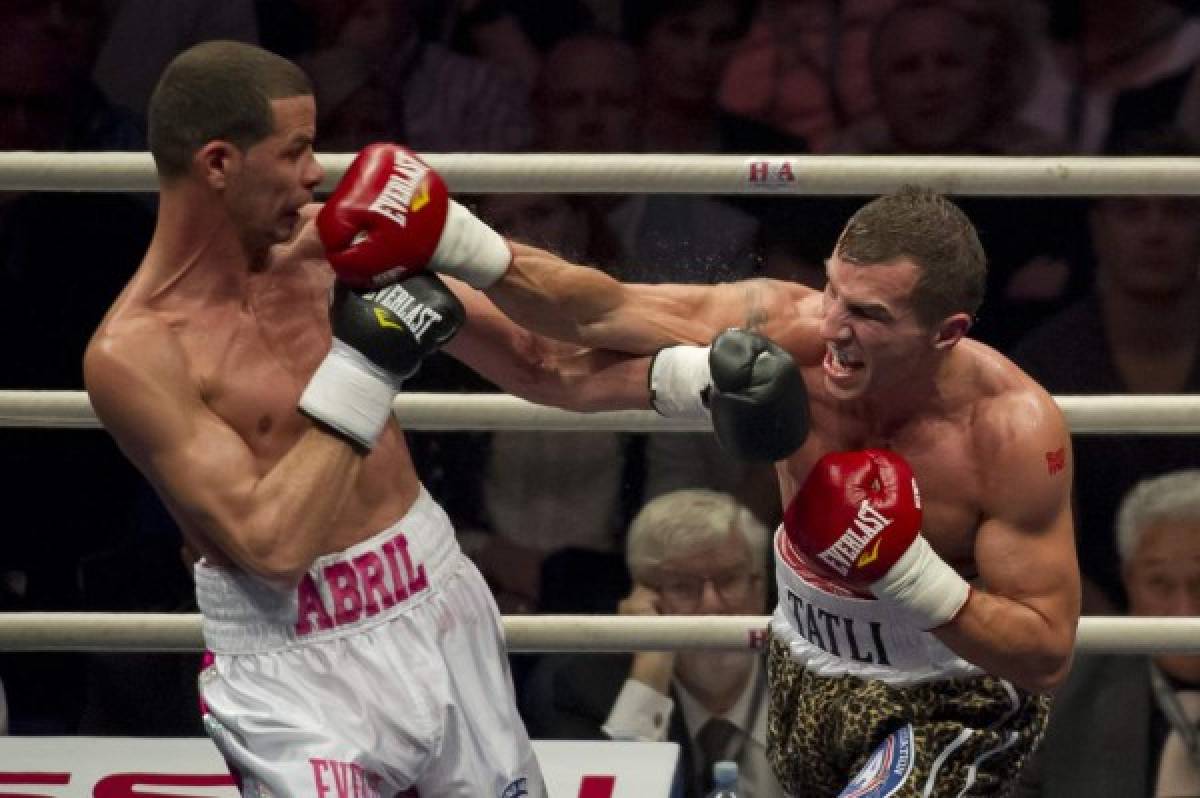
(362, 118)
(543, 220)
(1147, 247)
(798, 18)
(712, 580)
(353, 109)
(1162, 578)
(684, 54)
(372, 26)
(931, 78)
(718, 579)
(47, 47)
(587, 96)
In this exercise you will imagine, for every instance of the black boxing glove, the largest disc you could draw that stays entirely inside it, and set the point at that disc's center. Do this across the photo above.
(379, 340)
(758, 400)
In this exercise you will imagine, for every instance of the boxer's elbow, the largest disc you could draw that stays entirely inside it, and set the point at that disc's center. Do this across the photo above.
(280, 575)
(1043, 667)
(1046, 673)
(272, 556)
(276, 568)
(1054, 653)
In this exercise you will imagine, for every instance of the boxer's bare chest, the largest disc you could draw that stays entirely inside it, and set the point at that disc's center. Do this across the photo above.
(253, 356)
(942, 457)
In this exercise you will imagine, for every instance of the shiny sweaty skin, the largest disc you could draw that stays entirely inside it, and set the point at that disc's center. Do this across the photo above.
(247, 362)
(985, 404)
(988, 446)
(944, 442)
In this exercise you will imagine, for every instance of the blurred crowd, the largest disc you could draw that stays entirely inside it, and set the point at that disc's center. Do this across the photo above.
(1089, 295)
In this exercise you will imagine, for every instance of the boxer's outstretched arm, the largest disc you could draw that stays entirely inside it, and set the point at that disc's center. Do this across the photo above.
(545, 370)
(271, 524)
(562, 300)
(1021, 625)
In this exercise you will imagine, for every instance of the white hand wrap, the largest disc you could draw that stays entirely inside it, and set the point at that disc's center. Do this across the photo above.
(923, 586)
(470, 250)
(680, 381)
(350, 394)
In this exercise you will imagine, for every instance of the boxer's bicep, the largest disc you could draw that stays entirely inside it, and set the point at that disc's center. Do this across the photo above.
(144, 396)
(1025, 547)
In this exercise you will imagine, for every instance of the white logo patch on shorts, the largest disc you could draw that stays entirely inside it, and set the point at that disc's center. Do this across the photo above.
(886, 770)
(518, 788)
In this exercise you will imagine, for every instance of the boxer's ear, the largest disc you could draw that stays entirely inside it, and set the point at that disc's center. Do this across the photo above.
(212, 162)
(952, 330)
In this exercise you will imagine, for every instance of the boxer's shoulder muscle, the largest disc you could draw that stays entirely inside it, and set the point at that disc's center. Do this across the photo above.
(793, 320)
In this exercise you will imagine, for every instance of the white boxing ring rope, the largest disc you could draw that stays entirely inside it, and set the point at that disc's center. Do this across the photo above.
(1165, 414)
(775, 175)
(81, 631)
(562, 173)
(1159, 414)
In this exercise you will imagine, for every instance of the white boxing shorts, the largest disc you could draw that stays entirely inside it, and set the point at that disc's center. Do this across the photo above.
(385, 671)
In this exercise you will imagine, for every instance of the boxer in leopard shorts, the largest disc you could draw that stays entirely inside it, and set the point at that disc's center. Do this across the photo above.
(935, 726)
(919, 629)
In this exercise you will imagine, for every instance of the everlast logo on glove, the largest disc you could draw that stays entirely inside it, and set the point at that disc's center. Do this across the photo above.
(845, 552)
(406, 189)
(416, 316)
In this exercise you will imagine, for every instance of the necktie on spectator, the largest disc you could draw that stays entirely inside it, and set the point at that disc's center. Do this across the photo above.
(1177, 773)
(715, 741)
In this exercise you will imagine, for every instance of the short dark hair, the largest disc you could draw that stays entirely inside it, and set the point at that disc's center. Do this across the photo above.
(921, 224)
(217, 90)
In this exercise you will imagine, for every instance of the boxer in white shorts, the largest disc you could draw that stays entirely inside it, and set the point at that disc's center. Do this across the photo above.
(250, 375)
(404, 614)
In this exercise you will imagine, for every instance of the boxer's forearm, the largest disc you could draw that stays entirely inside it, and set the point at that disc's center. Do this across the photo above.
(585, 306)
(1022, 643)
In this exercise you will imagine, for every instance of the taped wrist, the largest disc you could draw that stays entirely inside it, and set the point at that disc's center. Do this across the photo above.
(680, 382)
(470, 250)
(350, 394)
(923, 586)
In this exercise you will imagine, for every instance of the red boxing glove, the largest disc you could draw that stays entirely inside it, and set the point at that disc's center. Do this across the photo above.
(391, 217)
(856, 514)
(857, 518)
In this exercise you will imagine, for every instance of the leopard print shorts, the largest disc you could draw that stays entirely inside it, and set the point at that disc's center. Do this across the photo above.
(844, 736)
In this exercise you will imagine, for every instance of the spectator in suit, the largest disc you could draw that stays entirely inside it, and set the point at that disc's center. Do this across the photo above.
(1111, 68)
(1112, 726)
(1136, 332)
(691, 552)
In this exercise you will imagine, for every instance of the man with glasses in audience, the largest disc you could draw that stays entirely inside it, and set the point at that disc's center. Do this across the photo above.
(690, 552)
